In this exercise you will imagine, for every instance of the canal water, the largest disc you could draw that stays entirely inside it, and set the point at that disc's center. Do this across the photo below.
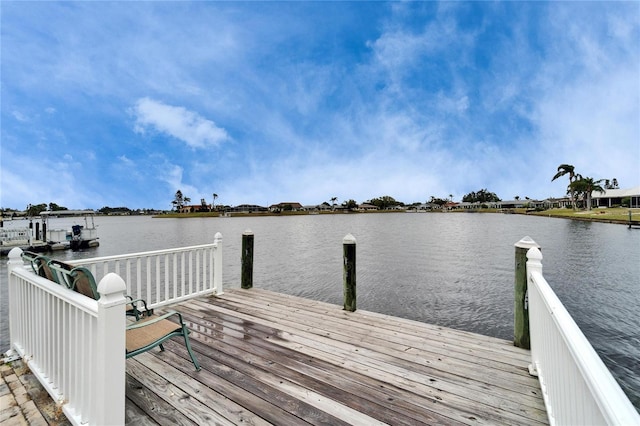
(450, 269)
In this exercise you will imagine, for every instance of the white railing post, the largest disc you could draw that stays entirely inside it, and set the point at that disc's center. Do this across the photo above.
(534, 265)
(109, 401)
(217, 264)
(15, 261)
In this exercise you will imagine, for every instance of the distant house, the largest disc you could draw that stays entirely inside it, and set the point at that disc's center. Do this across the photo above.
(366, 207)
(247, 208)
(450, 205)
(469, 206)
(508, 204)
(195, 208)
(614, 197)
(557, 202)
(294, 206)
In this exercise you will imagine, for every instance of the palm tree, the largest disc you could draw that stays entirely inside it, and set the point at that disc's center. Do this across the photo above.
(333, 202)
(180, 200)
(585, 187)
(214, 201)
(567, 169)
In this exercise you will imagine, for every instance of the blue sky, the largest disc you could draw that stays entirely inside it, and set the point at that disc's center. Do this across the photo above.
(123, 103)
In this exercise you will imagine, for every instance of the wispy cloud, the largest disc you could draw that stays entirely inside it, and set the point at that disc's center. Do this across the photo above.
(178, 122)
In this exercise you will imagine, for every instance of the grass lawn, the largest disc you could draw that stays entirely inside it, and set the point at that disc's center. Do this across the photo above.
(608, 214)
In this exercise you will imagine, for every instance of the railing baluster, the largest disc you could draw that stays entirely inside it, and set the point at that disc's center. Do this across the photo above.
(169, 260)
(158, 270)
(190, 271)
(48, 346)
(128, 282)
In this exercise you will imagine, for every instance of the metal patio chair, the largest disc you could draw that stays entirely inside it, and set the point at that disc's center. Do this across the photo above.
(149, 332)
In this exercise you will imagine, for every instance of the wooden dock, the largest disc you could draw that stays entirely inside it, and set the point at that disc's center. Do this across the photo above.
(269, 358)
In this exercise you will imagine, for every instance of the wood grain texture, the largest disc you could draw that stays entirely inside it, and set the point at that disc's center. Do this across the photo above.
(270, 358)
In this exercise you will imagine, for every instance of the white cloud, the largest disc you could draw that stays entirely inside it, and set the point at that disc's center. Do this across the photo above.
(172, 174)
(178, 122)
(126, 161)
(19, 116)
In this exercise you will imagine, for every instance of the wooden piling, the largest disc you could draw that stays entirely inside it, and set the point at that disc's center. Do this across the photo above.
(349, 272)
(246, 280)
(521, 336)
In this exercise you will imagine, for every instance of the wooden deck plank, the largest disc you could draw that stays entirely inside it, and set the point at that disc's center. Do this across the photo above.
(162, 384)
(309, 373)
(481, 346)
(146, 407)
(269, 358)
(448, 342)
(271, 402)
(478, 368)
(362, 360)
(404, 326)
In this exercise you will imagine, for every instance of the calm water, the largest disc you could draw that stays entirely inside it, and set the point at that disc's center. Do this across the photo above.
(455, 270)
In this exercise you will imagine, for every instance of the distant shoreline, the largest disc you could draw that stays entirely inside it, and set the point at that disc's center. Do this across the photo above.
(616, 215)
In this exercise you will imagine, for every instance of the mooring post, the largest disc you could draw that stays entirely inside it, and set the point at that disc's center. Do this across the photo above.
(521, 336)
(246, 280)
(349, 273)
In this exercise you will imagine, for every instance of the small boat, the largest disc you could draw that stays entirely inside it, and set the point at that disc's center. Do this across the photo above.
(17, 237)
(78, 237)
(21, 237)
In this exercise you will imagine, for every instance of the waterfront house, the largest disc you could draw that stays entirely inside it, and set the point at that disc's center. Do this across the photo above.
(615, 197)
(247, 208)
(289, 205)
(364, 207)
(195, 208)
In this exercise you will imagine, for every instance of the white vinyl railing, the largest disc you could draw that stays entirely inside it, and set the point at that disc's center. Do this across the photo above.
(164, 277)
(75, 345)
(12, 236)
(578, 388)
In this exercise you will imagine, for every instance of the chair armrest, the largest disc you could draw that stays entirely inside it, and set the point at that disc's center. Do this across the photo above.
(133, 302)
(152, 320)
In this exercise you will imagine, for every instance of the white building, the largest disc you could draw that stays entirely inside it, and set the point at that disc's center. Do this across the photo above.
(614, 197)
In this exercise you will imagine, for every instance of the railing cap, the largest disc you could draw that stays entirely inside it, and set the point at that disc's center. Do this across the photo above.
(534, 254)
(15, 253)
(526, 243)
(349, 239)
(111, 288)
(247, 232)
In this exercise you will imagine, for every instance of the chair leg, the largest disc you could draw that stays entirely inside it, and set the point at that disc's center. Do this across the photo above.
(185, 332)
(161, 348)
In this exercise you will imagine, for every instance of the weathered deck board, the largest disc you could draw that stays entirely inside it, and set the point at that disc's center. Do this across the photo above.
(269, 358)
